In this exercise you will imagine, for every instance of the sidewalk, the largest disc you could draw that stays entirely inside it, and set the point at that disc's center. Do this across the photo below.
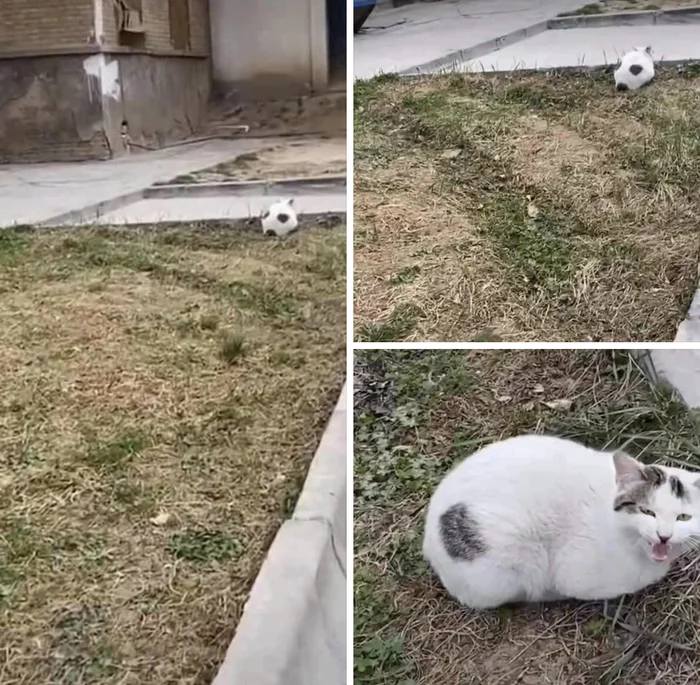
(400, 38)
(34, 193)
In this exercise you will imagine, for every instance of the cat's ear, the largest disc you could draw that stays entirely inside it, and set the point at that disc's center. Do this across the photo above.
(647, 49)
(627, 469)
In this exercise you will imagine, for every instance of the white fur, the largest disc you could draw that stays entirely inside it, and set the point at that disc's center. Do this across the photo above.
(272, 224)
(544, 509)
(625, 78)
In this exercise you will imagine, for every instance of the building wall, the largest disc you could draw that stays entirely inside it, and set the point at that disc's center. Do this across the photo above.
(38, 26)
(156, 19)
(269, 47)
(65, 107)
(49, 111)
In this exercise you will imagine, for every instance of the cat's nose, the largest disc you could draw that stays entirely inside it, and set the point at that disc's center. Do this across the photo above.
(664, 539)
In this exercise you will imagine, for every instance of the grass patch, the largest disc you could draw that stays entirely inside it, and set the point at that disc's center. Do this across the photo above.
(534, 206)
(142, 475)
(417, 413)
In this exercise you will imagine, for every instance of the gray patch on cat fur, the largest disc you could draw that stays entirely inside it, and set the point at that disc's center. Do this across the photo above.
(677, 487)
(460, 533)
(283, 218)
(652, 477)
(636, 69)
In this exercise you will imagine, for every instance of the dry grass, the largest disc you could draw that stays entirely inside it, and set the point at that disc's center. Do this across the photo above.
(541, 207)
(416, 414)
(163, 392)
(609, 6)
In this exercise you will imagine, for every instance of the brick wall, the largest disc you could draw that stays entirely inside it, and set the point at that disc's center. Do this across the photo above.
(156, 18)
(40, 25)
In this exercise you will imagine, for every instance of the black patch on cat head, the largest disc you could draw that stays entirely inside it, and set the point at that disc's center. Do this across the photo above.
(677, 488)
(283, 218)
(460, 533)
(270, 232)
(651, 477)
(636, 69)
(622, 86)
(265, 215)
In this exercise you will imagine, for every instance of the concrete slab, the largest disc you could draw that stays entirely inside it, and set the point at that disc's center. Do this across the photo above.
(678, 368)
(588, 47)
(689, 330)
(293, 628)
(33, 194)
(159, 210)
(402, 38)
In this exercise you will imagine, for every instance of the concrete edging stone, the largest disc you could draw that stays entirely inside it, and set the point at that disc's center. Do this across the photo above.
(293, 628)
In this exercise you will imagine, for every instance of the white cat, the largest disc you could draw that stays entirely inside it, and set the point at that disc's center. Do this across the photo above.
(636, 69)
(538, 518)
(280, 219)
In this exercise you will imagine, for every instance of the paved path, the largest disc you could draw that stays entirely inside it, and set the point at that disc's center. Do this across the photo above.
(33, 193)
(418, 33)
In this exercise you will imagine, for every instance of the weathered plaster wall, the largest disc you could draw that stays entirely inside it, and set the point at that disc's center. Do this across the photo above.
(50, 110)
(162, 99)
(269, 46)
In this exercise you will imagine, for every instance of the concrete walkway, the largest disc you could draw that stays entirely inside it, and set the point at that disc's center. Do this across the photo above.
(401, 38)
(35, 193)
(591, 47)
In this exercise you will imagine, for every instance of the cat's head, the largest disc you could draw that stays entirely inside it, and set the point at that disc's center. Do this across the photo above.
(660, 504)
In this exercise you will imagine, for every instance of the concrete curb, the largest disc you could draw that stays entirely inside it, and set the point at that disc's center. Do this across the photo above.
(476, 51)
(686, 15)
(677, 368)
(315, 185)
(683, 15)
(293, 628)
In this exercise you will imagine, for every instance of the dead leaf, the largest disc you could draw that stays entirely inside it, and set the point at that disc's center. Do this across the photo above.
(529, 406)
(561, 404)
(451, 154)
(503, 398)
(538, 389)
(162, 519)
(532, 210)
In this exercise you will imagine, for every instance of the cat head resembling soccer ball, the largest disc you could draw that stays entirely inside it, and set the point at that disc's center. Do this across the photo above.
(280, 219)
(636, 69)
(658, 504)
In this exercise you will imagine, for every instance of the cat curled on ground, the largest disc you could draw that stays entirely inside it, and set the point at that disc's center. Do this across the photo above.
(636, 69)
(537, 518)
(280, 219)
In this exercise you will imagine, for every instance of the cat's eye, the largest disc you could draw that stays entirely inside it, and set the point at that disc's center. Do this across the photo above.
(647, 512)
(683, 517)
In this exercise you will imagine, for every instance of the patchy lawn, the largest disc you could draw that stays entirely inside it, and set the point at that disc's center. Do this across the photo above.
(293, 159)
(610, 6)
(419, 412)
(163, 392)
(541, 207)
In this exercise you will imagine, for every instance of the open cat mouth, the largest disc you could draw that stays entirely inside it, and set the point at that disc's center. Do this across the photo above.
(660, 551)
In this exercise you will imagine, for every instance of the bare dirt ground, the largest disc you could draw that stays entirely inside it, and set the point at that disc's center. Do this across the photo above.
(542, 207)
(295, 158)
(163, 392)
(417, 413)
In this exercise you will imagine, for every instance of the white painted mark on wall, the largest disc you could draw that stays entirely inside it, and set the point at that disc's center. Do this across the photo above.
(103, 77)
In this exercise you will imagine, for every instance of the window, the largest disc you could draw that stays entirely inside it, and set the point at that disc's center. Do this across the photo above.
(179, 11)
(128, 15)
